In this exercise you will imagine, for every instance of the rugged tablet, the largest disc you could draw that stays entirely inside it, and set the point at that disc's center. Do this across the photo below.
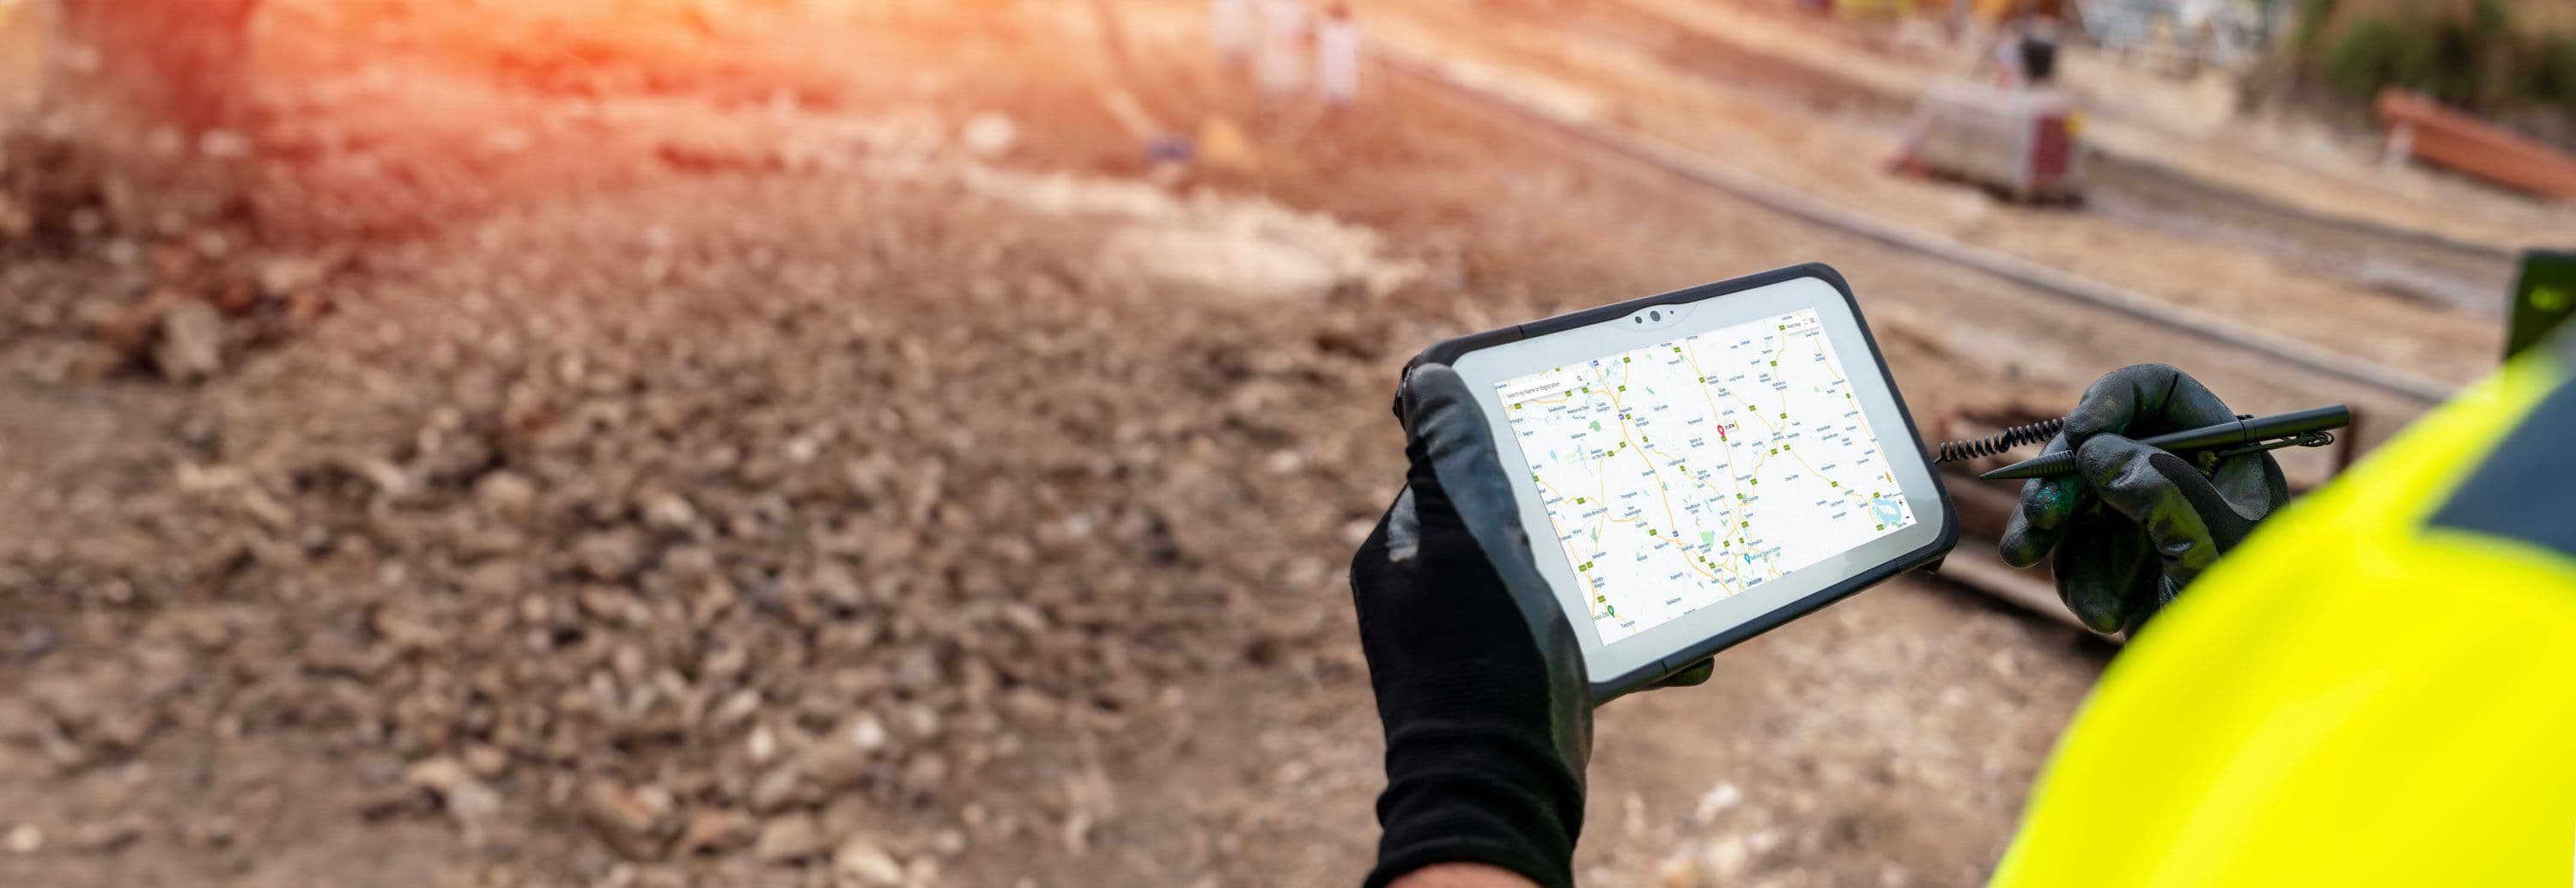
(1697, 467)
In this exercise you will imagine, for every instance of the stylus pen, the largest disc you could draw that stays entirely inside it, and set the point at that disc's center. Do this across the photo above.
(2244, 434)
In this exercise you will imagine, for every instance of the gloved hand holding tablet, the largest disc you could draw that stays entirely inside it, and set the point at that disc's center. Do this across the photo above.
(1691, 469)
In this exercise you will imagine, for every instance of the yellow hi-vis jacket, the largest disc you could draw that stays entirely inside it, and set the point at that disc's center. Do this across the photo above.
(2377, 688)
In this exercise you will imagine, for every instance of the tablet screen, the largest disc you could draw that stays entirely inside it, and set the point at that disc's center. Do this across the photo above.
(1690, 471)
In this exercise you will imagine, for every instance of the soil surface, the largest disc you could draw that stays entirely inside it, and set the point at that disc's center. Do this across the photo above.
(818, 445)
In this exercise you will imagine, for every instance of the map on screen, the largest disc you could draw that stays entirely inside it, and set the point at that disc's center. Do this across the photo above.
(1683, 473)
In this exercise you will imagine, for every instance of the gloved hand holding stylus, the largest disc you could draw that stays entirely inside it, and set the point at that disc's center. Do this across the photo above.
(2134, 524)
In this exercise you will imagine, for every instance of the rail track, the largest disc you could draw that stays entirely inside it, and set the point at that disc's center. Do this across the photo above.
(2061, 285)
(1983, 507)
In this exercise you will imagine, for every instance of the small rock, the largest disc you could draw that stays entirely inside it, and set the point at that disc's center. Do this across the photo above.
(917, 670)
(1718, 800)
(486, 760)
(192, 342)
(469, 802)
(473, 807)
(716, 830)
(507, 495)
(802, 449)
(788, 838)
(923, 720)
(925, 773)
(863, 860)
(282, 277)
(610, 555)
(440, 775)
(631, 821)
(843, 756)
(669, 512)
(781, 788)
(24, 838)
(610, 604)
(1725, 858)
(835, 585)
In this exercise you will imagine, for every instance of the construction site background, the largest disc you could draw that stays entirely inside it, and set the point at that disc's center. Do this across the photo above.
(2515, 58)
(820, 442)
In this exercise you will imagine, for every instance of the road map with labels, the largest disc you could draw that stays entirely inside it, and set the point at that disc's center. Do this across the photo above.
(1688, 472)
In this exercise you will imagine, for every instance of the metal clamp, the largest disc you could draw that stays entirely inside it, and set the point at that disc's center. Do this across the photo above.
(2304, 439)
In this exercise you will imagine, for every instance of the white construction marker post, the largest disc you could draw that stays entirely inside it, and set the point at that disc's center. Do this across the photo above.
(1337, 57)
(1281, 64)
(1230, 29)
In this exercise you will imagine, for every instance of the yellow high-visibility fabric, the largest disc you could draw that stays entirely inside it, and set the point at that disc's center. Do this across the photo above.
(2349, 698)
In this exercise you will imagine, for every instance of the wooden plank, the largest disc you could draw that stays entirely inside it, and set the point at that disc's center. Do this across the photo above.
(1974, 564)
(1983, 507)
(2444, 137)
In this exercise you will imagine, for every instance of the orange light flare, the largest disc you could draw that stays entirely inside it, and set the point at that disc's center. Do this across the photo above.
(564, 47)
(462, 102)
(22, 49)
(815, 53)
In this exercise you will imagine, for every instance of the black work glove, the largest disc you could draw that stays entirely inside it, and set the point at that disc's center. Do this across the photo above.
(2135, 524)
(1479, 678)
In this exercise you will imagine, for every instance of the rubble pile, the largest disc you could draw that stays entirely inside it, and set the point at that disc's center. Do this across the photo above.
(96, 287)
(777, 534)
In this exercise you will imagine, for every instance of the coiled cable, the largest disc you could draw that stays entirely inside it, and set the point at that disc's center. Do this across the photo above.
(1955, 451)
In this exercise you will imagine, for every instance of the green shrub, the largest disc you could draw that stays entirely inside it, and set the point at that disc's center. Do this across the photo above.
(2376, 52)
(2467, 55)
(2553, 77)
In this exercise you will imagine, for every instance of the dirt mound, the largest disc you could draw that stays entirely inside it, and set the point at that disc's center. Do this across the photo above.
(681, 538)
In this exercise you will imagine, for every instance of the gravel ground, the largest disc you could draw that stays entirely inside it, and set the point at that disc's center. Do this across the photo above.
(559, 563)
(2318, 282)
(827, 490)
(770, 537)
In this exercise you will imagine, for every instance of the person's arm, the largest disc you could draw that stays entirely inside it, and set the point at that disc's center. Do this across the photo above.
(1478, 676)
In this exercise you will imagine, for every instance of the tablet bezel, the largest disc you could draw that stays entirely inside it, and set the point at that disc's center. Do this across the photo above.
(1485, 359)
